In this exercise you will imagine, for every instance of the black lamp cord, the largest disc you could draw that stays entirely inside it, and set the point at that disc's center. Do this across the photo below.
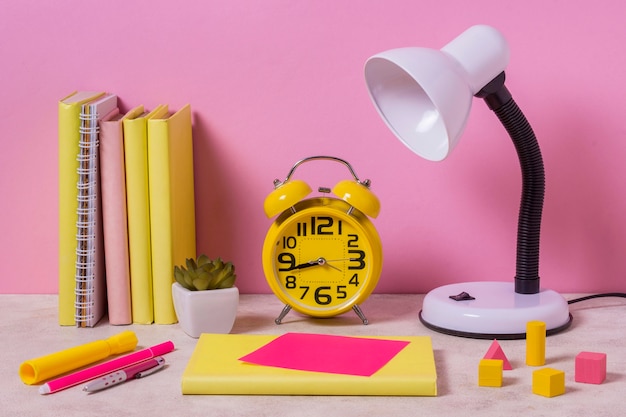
(589, 297)
(500, 101)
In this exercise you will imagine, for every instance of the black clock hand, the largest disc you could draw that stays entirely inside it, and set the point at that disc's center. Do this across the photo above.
(318, 261)
(304, 265)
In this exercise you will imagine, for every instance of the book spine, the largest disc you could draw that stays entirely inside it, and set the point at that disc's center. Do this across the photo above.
(183, 190)
(137, 200)
(115, 224)
(68, 145)
(172, 207)
(161, 220)
(326, 385)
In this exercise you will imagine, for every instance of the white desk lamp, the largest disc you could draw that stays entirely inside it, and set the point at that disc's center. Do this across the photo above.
(425, 96)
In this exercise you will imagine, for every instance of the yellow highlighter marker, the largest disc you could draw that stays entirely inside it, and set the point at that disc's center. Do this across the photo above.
(45, 367)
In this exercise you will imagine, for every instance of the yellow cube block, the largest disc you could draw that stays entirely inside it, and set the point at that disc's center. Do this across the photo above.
(548, 382)
(490, 373)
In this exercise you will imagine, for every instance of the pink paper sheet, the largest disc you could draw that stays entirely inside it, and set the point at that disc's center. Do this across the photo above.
(327, 353)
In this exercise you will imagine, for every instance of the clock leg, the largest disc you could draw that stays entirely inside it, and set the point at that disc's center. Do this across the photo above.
(283, 313)
(359, 313)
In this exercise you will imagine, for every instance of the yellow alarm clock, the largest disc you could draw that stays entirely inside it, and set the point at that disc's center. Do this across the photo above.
(322, 256)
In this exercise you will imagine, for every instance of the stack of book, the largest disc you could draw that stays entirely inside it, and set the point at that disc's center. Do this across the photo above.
(126, 209)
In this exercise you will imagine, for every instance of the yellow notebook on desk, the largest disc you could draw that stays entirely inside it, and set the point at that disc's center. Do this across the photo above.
(215, 368)
(138, 204)
(172, 207)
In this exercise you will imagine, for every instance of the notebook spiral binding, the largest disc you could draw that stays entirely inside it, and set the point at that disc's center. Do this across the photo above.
(86, 220)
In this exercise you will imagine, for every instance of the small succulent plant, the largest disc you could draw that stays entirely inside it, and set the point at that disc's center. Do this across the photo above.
(205, 274)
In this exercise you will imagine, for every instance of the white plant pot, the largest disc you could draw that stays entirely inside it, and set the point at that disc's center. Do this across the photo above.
(211, 311)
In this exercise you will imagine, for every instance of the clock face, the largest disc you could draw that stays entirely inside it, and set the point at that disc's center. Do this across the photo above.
(323, 257)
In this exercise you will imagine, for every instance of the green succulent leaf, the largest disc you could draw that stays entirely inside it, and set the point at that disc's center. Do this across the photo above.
(227, 282)
(203, 260)
(179, 276)
(188, 282)
(191, 264)
(192, 274)
(218, 264)
(201, 284)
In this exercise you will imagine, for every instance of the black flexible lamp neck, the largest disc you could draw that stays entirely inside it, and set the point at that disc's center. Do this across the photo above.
(499, 99)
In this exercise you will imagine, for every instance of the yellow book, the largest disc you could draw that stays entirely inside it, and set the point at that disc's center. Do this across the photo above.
(68, 138)
(138, 204)
(172, 207)
(215, 368)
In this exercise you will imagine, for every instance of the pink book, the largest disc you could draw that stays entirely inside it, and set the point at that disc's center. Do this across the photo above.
(113, 184)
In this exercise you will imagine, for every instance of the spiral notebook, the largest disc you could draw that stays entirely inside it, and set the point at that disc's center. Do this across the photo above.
(90, 290)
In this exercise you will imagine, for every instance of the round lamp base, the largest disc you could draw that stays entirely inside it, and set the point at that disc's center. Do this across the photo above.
(492, 310)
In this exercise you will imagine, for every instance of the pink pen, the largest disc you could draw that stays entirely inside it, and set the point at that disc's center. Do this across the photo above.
(105, 368)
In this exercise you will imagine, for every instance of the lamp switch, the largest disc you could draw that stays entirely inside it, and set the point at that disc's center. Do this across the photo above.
(462, 297)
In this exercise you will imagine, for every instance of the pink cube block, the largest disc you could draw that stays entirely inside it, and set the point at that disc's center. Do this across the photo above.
(590, 367)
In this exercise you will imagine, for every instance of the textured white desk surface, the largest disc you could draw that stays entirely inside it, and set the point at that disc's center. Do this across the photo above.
(28, 329)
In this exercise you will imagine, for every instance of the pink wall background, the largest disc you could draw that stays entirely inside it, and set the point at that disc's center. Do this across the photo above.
(273, 81)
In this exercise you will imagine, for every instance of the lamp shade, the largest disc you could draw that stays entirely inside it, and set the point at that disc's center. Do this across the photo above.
(425, 95)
